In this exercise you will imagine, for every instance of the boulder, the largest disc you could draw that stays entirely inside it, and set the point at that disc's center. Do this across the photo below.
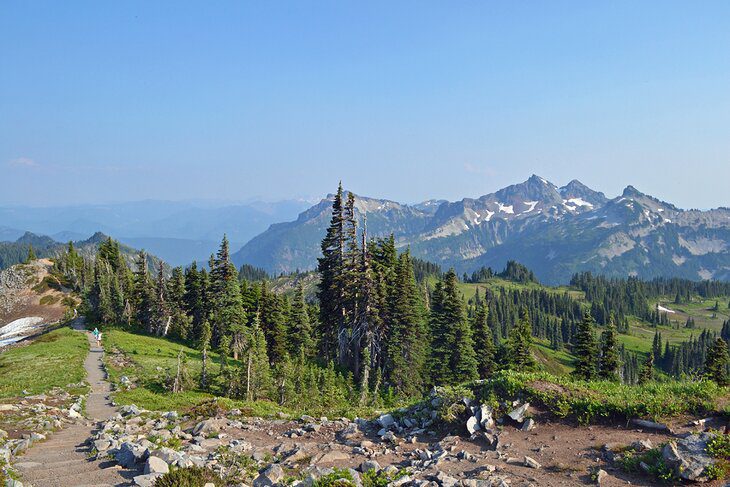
(528, 425)
(518, 413)
(271, 476)
(386, 420)
(486, 416)
(147, 480)
(208, 426)
(531, 462)
(688, 457)
(472, 425)
(155, 465)
(368, 465)
(129, 454)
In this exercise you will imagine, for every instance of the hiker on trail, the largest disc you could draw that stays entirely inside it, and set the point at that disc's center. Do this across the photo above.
(98, 339)
(96, 332)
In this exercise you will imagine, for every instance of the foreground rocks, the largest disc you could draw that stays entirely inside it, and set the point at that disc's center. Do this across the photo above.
(31, 419)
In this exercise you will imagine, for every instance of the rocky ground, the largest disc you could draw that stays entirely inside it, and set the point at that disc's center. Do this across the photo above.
(524, 448)
(29, 420)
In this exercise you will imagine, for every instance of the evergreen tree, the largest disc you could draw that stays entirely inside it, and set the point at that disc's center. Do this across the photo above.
(483, 341)
(585, 349)
(330, 289)
(454, 354)
(519, 344)
(272, 321)
(300, 329)
(716, 363)
(408, 342)
(255, 371)
(143, 295)
(647, 369)
(226, 305)
(31, 254)
(161, 317)
(609, 363)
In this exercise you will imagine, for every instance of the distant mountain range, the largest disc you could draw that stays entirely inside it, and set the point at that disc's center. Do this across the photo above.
(556, 231)
(12, 253)
(178, 232)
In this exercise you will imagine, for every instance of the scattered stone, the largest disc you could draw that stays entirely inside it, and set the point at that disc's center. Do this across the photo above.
(368, 465)
(386, 420)
(531, 462)
(147, 480)
(271, 476)
(528, 425)
(472, 425)
(156, 465)
(518, 414)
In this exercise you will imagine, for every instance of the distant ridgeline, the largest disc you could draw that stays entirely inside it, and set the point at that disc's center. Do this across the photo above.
(12, 253)
(555, 231)
(381, 324)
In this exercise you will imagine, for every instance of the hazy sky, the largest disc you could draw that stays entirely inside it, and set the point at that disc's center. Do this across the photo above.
(127, 100)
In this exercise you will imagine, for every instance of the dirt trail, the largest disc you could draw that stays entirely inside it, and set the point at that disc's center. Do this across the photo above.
(63, 459)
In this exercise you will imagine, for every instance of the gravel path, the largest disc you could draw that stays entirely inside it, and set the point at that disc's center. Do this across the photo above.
(63, 459)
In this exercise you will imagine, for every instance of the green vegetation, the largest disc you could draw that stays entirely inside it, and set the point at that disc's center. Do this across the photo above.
(631, 461)
(382, 329)
(719, 448)
(53, 360)
(188, 477)
(590, 401)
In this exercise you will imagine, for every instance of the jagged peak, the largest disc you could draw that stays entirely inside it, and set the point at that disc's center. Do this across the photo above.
(630, 191)
(98, 237)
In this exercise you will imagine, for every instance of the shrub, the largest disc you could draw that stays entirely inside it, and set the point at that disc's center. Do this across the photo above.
(339, 478)
(188, 477)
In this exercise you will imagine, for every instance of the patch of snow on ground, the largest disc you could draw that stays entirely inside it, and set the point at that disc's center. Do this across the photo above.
(489, 215)
(532, 205)
(506, 209)
(578, 202)
(664, 310)
(17, 330)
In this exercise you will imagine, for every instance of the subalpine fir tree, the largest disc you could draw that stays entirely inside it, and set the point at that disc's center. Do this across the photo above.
(483, 342)
(226, 306)
(142, 293)
(161, 317)
(273, 324)
(519, 344)
(408, 343)
(609, 362)
(716, 363)
(647, 370)
(330, 289)
(255, 370)
(585, 349)
(656, 346)
(300, 329)
(31, 254)
(454, 359)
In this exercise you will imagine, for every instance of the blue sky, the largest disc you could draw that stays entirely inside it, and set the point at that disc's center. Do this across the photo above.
(116, 101)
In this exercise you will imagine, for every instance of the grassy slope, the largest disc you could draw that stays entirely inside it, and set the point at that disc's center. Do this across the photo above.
(54, 360)
(151, 359)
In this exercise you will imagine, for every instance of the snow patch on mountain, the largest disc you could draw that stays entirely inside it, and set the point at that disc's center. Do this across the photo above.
(506, 208)
(531, 205)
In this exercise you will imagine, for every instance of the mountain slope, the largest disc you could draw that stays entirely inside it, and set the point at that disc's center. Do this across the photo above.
(556, 231)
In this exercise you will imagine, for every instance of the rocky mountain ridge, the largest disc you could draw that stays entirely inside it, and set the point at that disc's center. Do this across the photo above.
(556, 231)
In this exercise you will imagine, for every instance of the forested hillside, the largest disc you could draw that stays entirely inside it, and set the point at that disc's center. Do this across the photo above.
(373, 323)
